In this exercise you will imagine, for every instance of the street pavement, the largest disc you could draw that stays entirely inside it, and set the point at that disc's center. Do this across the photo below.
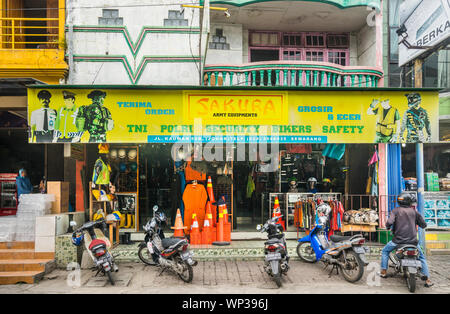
(235, 277)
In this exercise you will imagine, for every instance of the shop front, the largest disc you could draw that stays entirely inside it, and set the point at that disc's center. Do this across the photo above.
(180, 148)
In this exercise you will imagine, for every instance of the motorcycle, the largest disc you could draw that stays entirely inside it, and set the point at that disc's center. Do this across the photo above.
(346, 253)
(97, 245)
(276, 257)
(406, 262)
(168, 253)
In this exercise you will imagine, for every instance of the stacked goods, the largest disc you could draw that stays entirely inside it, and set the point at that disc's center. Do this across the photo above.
(30, 207)
(7, 228)
(431, 181)
(362, 216)
(444, 184)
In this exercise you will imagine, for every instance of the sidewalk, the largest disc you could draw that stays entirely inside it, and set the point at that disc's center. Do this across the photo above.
(233, 277)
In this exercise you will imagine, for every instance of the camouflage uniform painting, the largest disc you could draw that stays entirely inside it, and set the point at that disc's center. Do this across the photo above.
(95, 118)
(415, 121)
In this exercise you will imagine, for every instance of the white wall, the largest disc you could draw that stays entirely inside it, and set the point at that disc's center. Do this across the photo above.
(366, 42)
(136, 14)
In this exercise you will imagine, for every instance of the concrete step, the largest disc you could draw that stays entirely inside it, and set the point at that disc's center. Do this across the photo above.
(25, 265)
(16, 245)
(438, 252)
(10, 254)
(13, 277)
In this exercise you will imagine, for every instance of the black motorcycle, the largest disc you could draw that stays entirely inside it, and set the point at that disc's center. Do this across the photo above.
(406, 262)
(92, 234)
(168, 253)
(275, 250)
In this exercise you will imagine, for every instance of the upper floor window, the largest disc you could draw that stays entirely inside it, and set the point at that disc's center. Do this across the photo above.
(264, 39)
(337, 41)
(314, 40)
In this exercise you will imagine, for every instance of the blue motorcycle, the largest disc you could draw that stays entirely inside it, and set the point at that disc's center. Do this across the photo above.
(344, 253)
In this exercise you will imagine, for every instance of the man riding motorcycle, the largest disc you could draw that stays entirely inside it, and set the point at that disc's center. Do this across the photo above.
(404, 220)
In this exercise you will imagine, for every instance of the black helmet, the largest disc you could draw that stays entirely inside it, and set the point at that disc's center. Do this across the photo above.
(406, 199)
(160, 217)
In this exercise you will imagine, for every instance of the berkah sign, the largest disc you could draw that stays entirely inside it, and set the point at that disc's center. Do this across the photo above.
(427, 24)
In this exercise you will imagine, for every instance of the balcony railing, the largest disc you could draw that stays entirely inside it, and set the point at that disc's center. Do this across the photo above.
(30, 33)
(290, 74)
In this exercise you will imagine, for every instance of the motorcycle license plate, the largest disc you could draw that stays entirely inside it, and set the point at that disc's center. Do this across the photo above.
(150, 247)
(359, 250)
(187, 255)
(410, 263)
(273, 256)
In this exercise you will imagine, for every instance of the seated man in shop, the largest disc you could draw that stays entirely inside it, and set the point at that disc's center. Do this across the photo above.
(404, 221)
(23, 183)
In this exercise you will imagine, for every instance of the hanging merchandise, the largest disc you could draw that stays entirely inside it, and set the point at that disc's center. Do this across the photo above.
(101, 172)
(194, 198)
(250, 186)
(191, 174)
(132, 154)
(179, 165)
(299, 148)
(335, 151)
(312, 182)
(122, 153)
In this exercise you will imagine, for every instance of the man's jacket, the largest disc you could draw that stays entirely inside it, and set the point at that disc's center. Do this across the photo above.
(405, 221)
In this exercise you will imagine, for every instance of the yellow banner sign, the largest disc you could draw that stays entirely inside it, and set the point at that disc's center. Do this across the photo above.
(69, 114)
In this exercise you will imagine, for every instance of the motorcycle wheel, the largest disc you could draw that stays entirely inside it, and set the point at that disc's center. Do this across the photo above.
(188, 274)
(277, 277)
(145, 256)
(411, 282)
(110, 278)
(306, 252)
(354, 274)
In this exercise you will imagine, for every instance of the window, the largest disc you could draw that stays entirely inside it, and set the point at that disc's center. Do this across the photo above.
(337, 41)
(264, 39)
(292, 54)
(314, 55)
(292, 40)
(338, 57)
(314, 40)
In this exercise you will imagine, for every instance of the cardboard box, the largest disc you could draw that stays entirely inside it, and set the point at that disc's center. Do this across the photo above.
(61, 191)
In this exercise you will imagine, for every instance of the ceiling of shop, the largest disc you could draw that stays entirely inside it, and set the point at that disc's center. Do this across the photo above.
(294, 16)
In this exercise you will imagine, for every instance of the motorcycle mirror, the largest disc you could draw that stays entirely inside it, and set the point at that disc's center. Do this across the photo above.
(73, 223)
(155, 208)
(258, 227)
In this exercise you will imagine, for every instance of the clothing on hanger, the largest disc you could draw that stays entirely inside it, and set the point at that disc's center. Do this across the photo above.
(194, 198)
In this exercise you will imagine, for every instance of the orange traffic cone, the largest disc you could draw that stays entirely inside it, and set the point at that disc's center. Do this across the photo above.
(209, 190)
(277, 212)
(208, 232)
(178, 233)
(196, 237)
(226, 222)
(220, 228)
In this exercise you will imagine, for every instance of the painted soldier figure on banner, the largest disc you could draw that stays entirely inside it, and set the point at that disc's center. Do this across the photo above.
(415, 121)
(95, 118)
(43, 120)
(388, 122)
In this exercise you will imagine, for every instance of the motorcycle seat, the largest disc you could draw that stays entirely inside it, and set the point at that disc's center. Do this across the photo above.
(273, 241)
(336, 238)
(406, 246)
(96, 242)
(168, 242)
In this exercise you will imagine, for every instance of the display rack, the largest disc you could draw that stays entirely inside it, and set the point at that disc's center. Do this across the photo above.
(127, 191)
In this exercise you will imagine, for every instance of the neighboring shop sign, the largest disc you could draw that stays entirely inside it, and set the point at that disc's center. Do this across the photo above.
(68, 114)
(427, 23)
